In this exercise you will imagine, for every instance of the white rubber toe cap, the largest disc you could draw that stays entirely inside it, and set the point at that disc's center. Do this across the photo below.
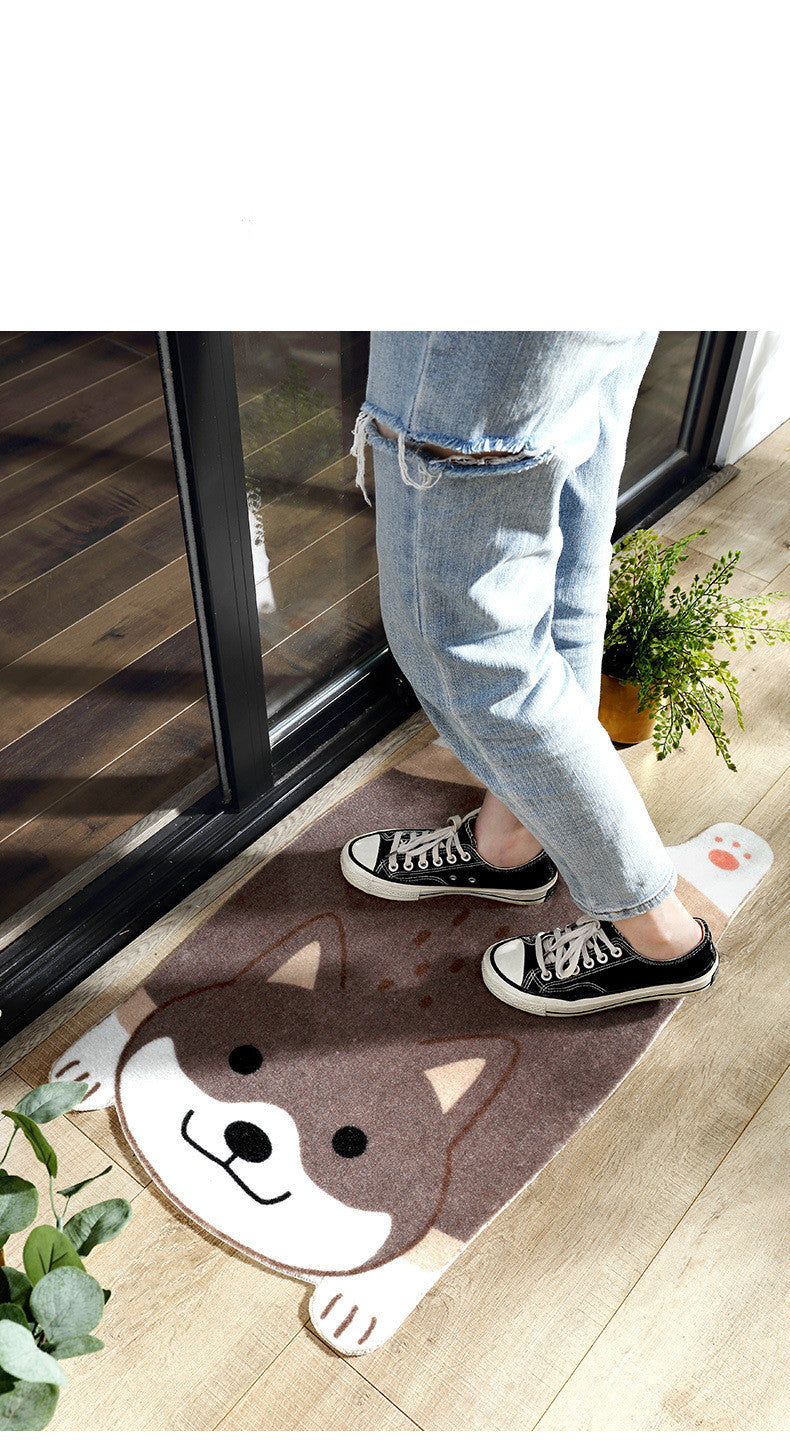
(364, 851)
(508, 959)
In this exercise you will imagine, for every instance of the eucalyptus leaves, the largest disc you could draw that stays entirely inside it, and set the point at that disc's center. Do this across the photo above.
(665, 646)
(48, 1311)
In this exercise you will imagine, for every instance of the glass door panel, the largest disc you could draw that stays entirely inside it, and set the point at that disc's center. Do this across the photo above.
(105, 731)
(313, 535)
(660, 405)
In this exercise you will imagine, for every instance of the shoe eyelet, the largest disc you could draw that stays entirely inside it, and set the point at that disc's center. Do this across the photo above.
(472, 880)
(452, 877)
(465, 857)
(616, 950)
(408, 866)
(390, 866)
(422, 864)
(451, 859)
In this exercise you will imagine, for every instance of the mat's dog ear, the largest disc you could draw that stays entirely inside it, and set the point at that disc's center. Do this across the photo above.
(313, 955)
(466, 1073)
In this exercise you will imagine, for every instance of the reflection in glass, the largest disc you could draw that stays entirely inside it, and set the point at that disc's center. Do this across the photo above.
(105, 729)
(313, 536)
(660, 405)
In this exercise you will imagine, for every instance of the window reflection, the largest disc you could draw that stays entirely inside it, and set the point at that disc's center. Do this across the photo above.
(313, 536)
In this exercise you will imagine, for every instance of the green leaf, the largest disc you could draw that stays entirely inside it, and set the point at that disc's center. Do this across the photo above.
(72, 1191)
(100, 1223)
(77, 1346)
(25, 1407)
(18, 1204)
(14, 1286)
(20, 1357)
(46, 1249)
(67, 1303)
(52, 1099)
(37, 1140)
(10, 1312)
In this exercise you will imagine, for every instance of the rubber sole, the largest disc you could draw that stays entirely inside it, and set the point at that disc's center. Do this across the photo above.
(394, 890)
(512, 996)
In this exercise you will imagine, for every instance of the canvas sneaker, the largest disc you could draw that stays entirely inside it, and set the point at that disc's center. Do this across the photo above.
(590, 966)
(415, 863)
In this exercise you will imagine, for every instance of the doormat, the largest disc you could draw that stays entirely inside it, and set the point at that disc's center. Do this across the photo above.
(321, 1079)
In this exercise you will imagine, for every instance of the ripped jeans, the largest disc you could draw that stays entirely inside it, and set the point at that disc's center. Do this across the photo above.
(494, 577)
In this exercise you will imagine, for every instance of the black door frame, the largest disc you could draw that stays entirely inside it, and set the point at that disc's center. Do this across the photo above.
(264, 778)
(199, 381)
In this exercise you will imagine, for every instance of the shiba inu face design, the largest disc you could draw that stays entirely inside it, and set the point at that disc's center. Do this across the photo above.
(310, 1125)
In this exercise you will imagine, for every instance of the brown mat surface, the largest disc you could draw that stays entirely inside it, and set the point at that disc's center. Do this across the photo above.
(321, 1078)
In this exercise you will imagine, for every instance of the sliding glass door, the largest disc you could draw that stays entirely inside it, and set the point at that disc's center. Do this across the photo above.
(190, 635)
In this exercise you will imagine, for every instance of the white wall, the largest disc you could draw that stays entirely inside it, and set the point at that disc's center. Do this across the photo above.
(760, 400)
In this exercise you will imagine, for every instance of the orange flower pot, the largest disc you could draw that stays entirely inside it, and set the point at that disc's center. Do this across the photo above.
(619, 714)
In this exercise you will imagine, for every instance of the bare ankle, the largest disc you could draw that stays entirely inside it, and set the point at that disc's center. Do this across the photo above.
(506, 851)
(664, 932)
(500, 837)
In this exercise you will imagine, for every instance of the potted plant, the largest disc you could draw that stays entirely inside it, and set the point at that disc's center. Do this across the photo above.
(659, 674)
(49, 1305)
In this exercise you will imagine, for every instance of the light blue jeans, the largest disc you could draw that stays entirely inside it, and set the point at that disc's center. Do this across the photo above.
(494, 577)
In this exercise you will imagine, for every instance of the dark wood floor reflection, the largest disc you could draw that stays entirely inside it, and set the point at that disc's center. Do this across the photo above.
(105, 718)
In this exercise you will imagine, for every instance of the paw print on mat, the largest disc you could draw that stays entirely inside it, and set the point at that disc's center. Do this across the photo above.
(723, 858)
(726, 861)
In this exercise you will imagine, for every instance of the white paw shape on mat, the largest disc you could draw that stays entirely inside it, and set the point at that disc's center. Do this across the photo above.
(726, 861)
(358, 1313)
(93, 1058)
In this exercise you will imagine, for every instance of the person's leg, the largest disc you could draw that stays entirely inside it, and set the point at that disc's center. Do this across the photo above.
(500, 838)
(582, 579)
(578, 627)
(468, 551)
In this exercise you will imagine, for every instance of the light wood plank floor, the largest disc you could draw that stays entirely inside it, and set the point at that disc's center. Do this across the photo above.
(640, 1284)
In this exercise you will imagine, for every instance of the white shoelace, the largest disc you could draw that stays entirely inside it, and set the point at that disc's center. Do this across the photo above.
(567, 948)
(446, 837)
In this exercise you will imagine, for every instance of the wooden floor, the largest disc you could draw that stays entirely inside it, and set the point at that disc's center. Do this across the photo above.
(640, 1283)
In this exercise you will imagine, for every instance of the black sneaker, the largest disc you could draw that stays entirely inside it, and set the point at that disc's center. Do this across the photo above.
(445, 862)
(589, 966)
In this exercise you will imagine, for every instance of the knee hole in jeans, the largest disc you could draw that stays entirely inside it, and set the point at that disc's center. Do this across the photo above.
(440, 452)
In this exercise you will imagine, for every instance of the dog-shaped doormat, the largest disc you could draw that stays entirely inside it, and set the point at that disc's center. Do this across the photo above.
(321, 1079)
